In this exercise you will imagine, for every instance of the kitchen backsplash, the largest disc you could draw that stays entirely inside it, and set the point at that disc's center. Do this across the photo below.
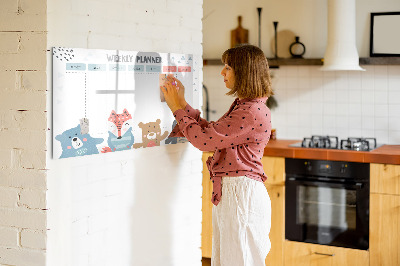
(314, 102)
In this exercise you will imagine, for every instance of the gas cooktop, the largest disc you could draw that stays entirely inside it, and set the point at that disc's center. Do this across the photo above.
(332, 142)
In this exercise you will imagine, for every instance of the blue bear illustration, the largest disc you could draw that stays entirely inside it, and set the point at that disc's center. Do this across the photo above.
(74, 144)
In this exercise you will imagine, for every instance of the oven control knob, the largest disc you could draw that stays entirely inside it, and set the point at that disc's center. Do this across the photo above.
(343, 168)
(308, 166)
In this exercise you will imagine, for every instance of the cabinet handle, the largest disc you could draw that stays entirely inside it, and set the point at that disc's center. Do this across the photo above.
(325, 254)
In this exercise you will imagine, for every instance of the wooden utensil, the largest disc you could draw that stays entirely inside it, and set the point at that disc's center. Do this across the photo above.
(239, 35)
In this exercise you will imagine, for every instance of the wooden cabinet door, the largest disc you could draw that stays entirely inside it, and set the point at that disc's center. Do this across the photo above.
(206, 226)
(385, 178)
(304, 254)
(274, 168)
(384, 236)
(277, 233)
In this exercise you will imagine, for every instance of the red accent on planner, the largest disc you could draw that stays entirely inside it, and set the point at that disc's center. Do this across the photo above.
(169, 68)
(184, 69)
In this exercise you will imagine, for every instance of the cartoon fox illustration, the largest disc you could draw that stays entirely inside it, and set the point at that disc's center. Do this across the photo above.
(120, 135)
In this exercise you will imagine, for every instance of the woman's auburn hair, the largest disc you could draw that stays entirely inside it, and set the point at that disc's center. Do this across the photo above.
(250, 66)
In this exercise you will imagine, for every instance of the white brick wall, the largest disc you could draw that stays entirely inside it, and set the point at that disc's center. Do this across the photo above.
(138, 207)
(23, 129)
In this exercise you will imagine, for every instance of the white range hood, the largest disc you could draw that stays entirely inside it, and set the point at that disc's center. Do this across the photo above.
(341, 51)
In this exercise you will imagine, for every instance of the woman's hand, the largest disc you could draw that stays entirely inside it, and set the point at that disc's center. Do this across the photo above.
(171, 95)
(181, 89)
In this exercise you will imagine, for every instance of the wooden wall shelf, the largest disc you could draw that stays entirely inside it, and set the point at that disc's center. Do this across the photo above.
(273, 63)
(380, 61)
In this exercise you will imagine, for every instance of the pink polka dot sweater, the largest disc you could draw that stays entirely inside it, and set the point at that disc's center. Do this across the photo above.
(238, 139)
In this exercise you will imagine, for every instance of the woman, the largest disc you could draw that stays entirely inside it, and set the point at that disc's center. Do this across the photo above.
(242, 211)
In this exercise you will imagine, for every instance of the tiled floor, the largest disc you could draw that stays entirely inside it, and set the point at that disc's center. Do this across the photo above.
(206, 261)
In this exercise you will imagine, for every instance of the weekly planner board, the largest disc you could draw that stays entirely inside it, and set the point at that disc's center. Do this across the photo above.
(110, 100)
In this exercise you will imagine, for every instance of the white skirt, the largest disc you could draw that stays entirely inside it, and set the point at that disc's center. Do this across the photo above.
(241, 223)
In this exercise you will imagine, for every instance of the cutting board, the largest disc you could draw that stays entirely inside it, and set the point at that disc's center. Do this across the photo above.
(239, 35)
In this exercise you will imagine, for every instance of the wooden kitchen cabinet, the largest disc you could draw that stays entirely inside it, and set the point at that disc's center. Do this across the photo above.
(206, 225)
(385, 178)
(305, 254)
(384, 236)
(277, 233)
(274, 168)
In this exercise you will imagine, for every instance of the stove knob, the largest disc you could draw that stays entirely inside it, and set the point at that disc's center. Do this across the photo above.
(343, 168)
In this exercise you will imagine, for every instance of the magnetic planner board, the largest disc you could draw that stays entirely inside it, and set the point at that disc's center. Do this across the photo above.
(110, 100)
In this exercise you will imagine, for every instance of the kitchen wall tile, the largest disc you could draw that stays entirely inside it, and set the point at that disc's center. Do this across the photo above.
(331, 131)
(317, 95)
(342, 122)
(367, 110)
(393, 71)
(304, 72)
(355, 96)
(368, 122)
(367, 96)
(316, 82)
(394, 137)
(367, 133)
(381, 110)
(394, 110)
(291, 71)
(381, 136)
(381, 123)
(292, 83)
(317, 108)
(342, 109)
(317, 120)
(354, 79)
(380, 84)
(355, 132)
(304, 109)
(315, 72)
(303, 82)
(394, 82)
(293, 120)
(394, 123)
(328, 74)
(381, 97)
(342, 96)
(329, 109)
(342, 133)
(342, 80)
(367, 82)
(394, 97)
(380, 71)
(355, 122)
(355, 109)
(317, 131)
(329, 93)
(329, 122)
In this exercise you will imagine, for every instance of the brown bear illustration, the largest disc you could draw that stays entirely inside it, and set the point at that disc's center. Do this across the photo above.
(151, 134)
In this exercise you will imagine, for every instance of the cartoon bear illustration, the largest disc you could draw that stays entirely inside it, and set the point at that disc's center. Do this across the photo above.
(120, 135)
(151, 134)
(74, 144)
(175, 140)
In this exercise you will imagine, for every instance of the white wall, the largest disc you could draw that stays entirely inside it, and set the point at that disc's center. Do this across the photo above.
(304, 18)
(137, 207)
(311, 102)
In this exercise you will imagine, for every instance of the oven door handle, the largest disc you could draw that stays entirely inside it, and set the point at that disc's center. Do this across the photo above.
(357, 185)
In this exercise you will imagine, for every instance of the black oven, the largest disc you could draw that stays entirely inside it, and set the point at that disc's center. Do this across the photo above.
(327, 202)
